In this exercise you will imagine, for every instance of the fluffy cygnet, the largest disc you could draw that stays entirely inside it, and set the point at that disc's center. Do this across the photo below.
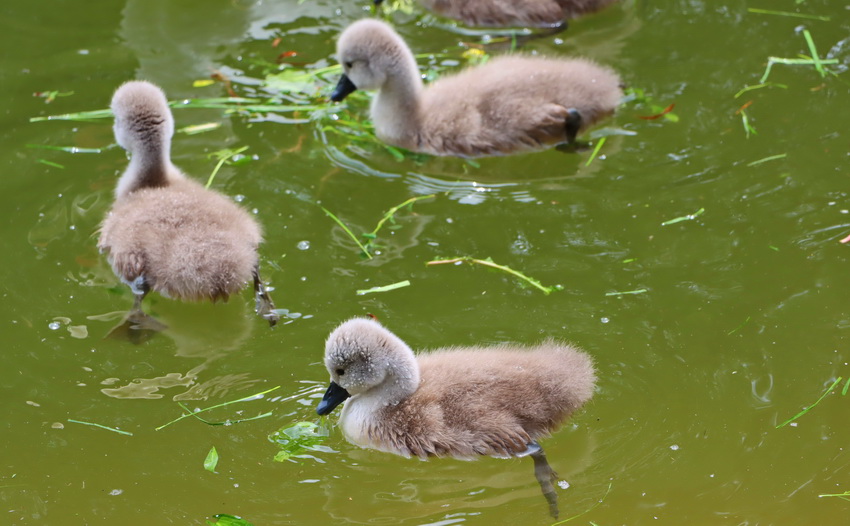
(457, 402)
(166, 232)
(510, 104)
(514, 13)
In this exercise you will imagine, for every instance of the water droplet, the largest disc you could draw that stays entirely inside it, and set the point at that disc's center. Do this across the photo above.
(238, 198)
(303, 245)
(604, 319)
(116, 492)
(54, 325)
(674, 447)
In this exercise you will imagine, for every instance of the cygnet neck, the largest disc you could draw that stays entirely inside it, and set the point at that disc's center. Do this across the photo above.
(150, 167)
(400, 383)
(396, 107)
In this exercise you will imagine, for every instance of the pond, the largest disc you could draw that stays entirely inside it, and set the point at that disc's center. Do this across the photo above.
(699, 254)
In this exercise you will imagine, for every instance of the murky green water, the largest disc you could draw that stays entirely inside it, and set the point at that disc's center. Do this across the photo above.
(744, 320)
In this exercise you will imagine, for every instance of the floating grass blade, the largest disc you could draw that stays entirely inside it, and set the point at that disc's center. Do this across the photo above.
(595, 151)
(846, 386)
(766, 159)
(348, 231)
(843, 496)
(219, 103)
(223, 156)
(226, 422)
(689, 217)
(625, 292)
(391, 212)
(195, 413)
(211, 461)
(792, 62)
(809, 408)
(385, 288)
(749, 129)
(490, 263)
(51, 163)
(736, 329)
(100, 426)
(760, 86)
(67, 149)
(788, 13)
(813, 50)
(195, 129)
(585, 512)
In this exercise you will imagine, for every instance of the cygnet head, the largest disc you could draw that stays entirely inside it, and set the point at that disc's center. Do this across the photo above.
(143, 120)
(361, 355)
(370, 51)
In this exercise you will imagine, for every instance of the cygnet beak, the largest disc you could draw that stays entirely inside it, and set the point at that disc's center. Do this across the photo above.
(334, 396)
(343, 88)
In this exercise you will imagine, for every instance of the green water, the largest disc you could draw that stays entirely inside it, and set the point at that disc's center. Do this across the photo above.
(743, 323)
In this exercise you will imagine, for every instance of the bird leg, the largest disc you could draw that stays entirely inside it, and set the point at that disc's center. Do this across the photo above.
(546, 477)
(265, 307)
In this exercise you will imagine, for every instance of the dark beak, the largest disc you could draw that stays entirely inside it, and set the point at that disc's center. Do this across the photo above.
(334, 396)
(379, 2)
(343, 88)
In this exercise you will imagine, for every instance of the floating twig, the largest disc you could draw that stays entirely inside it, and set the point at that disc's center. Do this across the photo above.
(806, 410)
(490, 263)
(100, 426)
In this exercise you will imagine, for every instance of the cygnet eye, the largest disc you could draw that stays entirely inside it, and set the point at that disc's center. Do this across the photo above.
(340, 372)
(348, 64)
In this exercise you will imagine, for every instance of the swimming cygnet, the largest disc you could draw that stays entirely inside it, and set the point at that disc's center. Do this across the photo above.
(166, 232)
(460, 402)
(514, 13)
(510, 104)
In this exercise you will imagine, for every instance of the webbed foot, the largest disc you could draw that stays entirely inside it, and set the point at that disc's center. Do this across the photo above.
(546, 477)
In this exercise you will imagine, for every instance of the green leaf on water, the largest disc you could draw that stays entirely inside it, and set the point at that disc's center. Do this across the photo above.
(211, 461)
(298, 439)
(223, 519)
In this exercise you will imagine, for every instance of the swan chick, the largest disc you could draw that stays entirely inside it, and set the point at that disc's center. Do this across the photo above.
(166, 232)
(510, 104)
(460, 402)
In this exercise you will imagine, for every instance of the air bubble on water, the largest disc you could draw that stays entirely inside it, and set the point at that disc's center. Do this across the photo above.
(604, 319)
(303, 245)
(54, 325)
